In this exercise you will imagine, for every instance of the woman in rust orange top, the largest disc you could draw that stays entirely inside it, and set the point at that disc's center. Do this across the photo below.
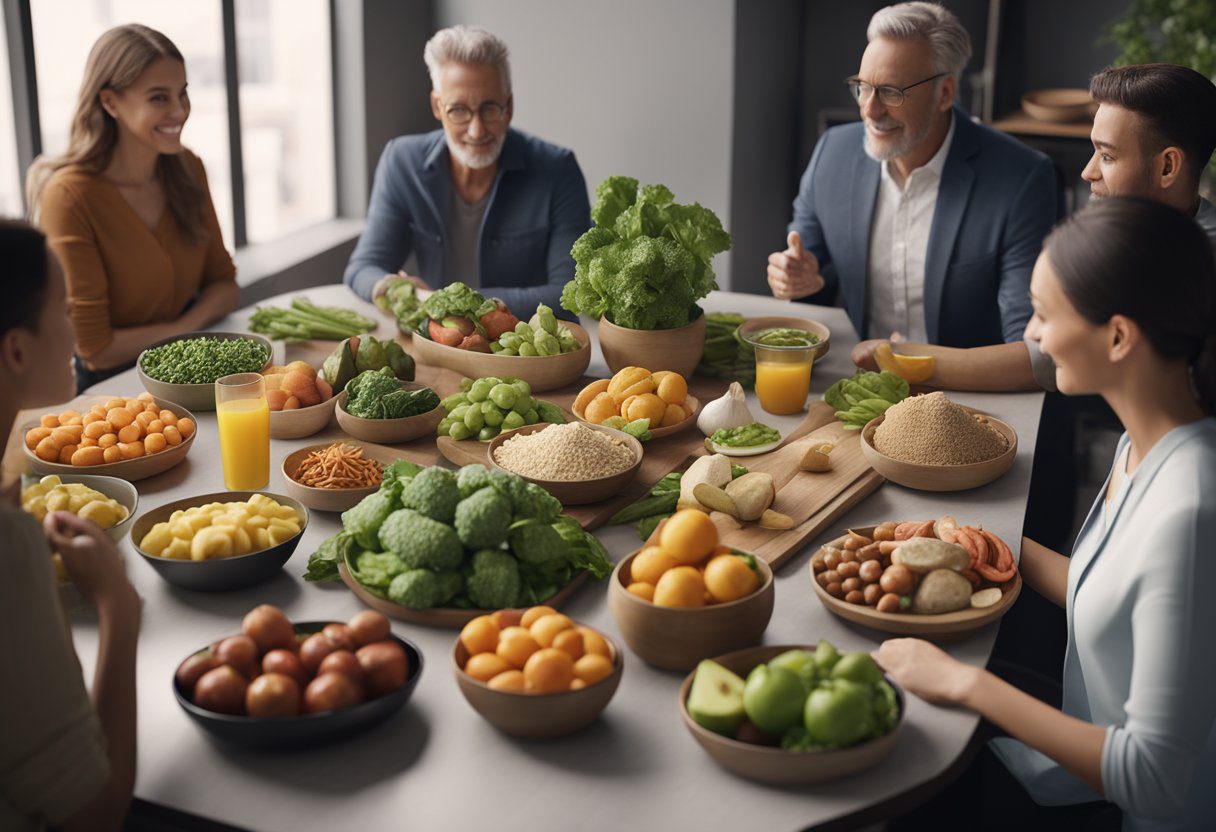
(127, 208)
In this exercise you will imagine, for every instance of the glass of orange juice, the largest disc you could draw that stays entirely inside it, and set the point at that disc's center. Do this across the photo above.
(244, 422)
(783, 378)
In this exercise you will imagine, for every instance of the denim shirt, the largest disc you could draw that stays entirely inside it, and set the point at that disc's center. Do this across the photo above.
(537, 208)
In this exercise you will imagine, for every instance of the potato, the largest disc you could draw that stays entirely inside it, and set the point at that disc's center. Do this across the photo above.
(715, 499)
(753, 493)
(941, 591)
(88, 456)
(926, 554)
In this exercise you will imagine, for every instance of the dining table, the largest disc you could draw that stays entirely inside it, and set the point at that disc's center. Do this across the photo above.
(436, 764)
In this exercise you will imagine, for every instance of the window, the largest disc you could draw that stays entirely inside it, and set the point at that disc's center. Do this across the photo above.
(286, 98)
(283, 84)
(10, 173)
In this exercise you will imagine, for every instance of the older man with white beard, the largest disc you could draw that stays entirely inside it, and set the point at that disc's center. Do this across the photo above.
(928, 222)
(476, 201)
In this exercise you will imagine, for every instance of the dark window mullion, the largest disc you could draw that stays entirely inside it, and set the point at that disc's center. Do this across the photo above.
(24, 79)
(235, 152)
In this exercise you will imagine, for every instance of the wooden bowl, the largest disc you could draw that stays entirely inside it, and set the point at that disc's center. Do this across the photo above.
(940, 477)
(676, 638)
(944, 627)
(442, 618)
(775, 765)
(329, 499)
(754, 325)
(305, 729)
(678, 350)
(1058, 105)
(537, 716)
(304, 421)
(657, 433)
(195, 396)
(130, 470)
(577, 492)
(542, 372)
(389, 431)
(218, 574)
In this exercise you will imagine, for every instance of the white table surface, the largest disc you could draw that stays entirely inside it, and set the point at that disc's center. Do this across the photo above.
(437, 764)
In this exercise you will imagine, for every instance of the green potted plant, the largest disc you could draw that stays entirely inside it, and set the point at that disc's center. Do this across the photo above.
(1169, 31)
(640, 270)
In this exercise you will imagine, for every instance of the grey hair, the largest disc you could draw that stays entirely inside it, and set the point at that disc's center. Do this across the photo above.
(466, 45)
(947, 38)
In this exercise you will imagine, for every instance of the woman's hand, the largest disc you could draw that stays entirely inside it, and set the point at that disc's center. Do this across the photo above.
(91, 559)
(926, 670)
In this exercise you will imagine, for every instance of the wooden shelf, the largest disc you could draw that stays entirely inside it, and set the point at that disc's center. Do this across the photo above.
(1018, 123)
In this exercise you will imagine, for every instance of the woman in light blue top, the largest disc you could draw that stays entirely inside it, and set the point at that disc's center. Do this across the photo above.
(1125, 303)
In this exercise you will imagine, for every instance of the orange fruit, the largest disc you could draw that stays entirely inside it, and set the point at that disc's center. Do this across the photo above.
(549, 670)
(571, 641)
(592, 668)
(515, 645)
(641, 589)
(688, 535)
(588, 393)
(728, 578)
(485, 666)
(912, 368)
(577, 684)
(512, 680)
(545, 628)
(480, 635)
(680, 587)
(672, 388)
(649, 564)
(593, 642)
(532, 613)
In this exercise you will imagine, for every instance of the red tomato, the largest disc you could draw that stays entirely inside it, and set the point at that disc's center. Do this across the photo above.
(241, 652)
(315, 648)
(340, 635)
(367, 627)
(330, 692)
(221, 690)
(287, 663)
(384, 667)
(341, 661)
(269, 628)
(189, 672)
(273, 695)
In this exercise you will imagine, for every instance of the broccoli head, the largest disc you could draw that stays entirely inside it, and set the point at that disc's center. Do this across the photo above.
(482, 519)
(421, 542)
(538, 544)
(364, 518)
(377, 569)
(420, 589)
(494, 581)
(433, 492)
(472, 478)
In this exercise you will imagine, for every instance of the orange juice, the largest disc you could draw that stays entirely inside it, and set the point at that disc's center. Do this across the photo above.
(783, 380)
(244, 443)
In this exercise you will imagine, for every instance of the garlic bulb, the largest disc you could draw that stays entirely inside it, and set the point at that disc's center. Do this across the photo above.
(729, 411)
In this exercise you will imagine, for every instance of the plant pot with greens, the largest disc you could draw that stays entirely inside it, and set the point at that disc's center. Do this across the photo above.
(641, 270)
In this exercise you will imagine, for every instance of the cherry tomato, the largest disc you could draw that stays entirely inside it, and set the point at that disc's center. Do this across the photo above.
(385, 667)
(221, 690)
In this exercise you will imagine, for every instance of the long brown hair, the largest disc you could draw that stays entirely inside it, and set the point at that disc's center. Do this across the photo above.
(118, 58)
(1151, 263)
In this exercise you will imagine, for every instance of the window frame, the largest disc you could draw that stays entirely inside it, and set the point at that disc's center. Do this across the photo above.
(26, 117)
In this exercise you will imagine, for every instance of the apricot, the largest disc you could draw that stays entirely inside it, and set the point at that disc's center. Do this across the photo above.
(532, 613)
(155, 426)
(515, 645)
(485, 666)
(571, 641)
(688, 536)
(593, 642)
(509, 680)
(672, 388)
(673, 415)
(480, 635)
(185, 426)
(548, 670)
(729, 578)
(546, 628)
(592, 667)
(649, 564)
(680, 587)
(641, 589)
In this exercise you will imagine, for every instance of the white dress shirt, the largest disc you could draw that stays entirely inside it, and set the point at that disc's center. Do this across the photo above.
(1141, 659)
(899, 240)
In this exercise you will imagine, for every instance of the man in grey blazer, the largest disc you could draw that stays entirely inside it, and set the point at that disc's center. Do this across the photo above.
(928, 223)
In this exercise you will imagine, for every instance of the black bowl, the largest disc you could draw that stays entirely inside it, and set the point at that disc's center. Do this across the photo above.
(306, 729)
(218, 574)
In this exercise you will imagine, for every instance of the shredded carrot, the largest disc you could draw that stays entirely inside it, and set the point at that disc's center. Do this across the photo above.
(339, 466)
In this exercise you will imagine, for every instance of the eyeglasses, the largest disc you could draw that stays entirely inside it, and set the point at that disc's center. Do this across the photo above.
(889, 96)
(489, 112)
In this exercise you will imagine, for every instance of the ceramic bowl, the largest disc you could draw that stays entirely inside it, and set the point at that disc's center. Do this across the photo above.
(577, 492)
(330, 499)
(677, 349)
(1059, 105)
(676, 638)
(658, 433)
(114, 488)
(195, 396)
(303, 421)
(542, 372)
(940, 477)
(218, 574)
(306, 729)
(389, 431)
(537, 716)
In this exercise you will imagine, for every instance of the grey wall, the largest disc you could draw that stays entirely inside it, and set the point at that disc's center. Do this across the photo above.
(634, 87)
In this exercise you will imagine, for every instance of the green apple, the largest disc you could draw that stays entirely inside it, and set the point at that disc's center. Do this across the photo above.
(773, 698)
(857, 667)
(801, 663)
(825, 656)
(716, 699)
(839, 713)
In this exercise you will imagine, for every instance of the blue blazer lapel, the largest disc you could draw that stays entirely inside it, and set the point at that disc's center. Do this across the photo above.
(436, 180)
(952, 197)
(862, 197)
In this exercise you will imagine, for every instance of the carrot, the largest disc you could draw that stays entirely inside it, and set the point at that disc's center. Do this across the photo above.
(907, 530)
(925, 530)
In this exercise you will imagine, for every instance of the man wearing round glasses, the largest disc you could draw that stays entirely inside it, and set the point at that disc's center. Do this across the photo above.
(476, 201)
(927, 222)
